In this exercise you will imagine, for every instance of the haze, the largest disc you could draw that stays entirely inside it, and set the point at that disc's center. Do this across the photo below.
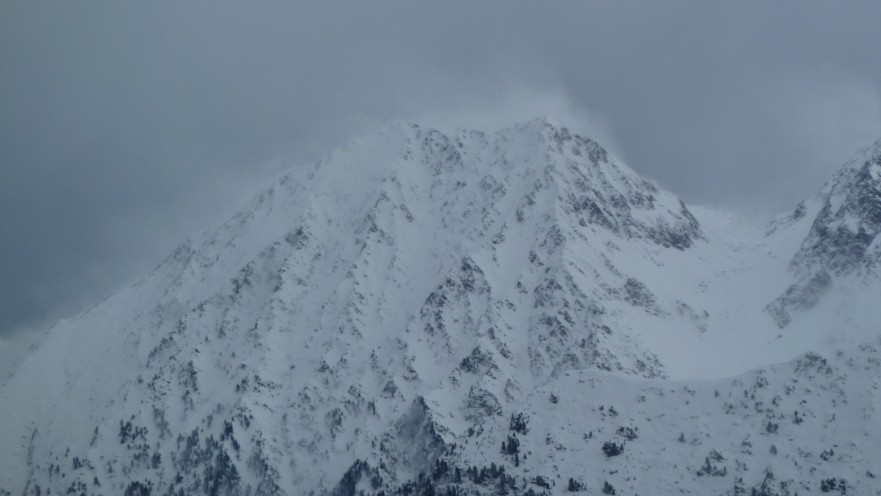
(125, 125)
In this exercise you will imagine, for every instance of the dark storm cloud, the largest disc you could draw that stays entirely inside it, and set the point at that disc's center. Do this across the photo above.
(124, 125)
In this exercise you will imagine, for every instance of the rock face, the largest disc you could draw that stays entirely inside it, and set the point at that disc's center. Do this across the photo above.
(474, 313)
(843, 239)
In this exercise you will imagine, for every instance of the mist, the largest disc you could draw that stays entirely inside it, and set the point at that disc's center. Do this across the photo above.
(127, 125)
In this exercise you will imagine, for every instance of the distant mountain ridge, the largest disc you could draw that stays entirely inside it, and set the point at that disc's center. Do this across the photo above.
(514, 312)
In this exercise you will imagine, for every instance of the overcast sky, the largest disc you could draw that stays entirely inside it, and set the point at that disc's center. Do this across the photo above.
(125, 125)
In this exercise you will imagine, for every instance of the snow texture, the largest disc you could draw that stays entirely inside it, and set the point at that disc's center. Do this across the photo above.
(513, 312)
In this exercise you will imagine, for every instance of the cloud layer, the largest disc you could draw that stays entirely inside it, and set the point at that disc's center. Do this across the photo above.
(125, 125)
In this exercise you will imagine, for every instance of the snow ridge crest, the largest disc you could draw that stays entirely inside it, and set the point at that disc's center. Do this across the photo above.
(384, 321)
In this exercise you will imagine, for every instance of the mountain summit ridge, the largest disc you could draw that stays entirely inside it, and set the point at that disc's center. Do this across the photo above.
(374, 322)
(843, 238)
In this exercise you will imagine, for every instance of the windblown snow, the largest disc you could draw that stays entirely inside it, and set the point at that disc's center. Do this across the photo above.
(513, 312)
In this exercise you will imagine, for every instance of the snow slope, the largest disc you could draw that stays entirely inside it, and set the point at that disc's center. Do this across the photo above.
(382, 319)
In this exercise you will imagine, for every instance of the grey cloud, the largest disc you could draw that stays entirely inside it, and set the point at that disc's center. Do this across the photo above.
(125, 125)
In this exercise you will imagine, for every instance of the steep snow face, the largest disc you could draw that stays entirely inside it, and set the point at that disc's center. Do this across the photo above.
(385, 313)
(843, 239)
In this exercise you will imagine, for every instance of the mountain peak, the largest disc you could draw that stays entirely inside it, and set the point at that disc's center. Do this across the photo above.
(383, 322)
(843, 239)
(540, 122)
(849, 220)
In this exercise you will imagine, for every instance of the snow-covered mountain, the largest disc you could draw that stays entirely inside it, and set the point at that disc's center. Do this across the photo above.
(843, 238)
(473, 313)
